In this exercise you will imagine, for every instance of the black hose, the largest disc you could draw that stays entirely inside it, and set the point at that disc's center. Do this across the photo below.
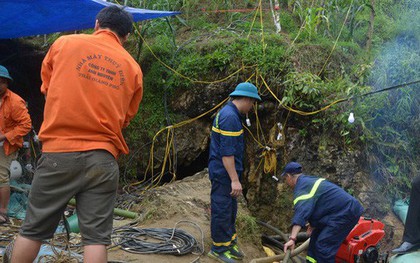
(275, 242)
(275, 230)
(155, 241)
(301, 237)
(270, 240)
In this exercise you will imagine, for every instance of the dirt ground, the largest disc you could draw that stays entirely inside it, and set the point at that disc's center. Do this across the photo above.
(187, 202)
(189, 199)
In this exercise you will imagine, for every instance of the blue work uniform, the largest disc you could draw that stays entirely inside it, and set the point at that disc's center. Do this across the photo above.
(227, 139)
(330, 210)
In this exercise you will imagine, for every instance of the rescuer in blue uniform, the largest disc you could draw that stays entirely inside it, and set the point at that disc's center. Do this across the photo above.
(225, 169)
(330, 211)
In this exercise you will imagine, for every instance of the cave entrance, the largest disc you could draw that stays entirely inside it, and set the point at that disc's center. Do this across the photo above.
(23, 62)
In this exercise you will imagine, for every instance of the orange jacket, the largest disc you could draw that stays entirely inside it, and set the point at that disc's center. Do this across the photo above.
(93, 89)
(15, 121)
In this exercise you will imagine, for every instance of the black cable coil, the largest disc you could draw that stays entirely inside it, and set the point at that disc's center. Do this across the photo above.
(155, 240)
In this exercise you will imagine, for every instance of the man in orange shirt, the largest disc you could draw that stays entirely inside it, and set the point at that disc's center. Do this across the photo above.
(93, 88)
(14, 124)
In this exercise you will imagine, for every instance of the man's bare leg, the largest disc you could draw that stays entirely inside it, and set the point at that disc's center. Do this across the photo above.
(25, 250)
(4, 198)
(95, 254)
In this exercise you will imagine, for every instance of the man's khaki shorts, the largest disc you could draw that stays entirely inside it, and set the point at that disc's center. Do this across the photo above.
(91, 177)
(5, 162)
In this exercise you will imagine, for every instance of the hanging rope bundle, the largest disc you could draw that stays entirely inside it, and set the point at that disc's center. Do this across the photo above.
(270, 160)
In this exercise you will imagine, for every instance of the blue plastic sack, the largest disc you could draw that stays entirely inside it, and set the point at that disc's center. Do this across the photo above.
(406, 258)
(401, 208)
(18, 200)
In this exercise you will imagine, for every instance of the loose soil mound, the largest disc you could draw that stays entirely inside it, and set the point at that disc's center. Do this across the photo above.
(185, 200)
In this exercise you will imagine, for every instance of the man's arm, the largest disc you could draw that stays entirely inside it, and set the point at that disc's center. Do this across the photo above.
(229, 164)
(292, 239)
(21, 116)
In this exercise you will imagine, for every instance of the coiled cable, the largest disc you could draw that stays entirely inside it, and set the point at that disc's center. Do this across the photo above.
(169, 241)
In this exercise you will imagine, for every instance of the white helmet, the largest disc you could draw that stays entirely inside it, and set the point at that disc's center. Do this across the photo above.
(15, 170)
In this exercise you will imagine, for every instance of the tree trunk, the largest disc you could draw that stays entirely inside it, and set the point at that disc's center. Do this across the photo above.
(275, 11)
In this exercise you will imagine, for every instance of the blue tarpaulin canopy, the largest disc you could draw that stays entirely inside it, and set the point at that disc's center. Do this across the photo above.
(20, 18)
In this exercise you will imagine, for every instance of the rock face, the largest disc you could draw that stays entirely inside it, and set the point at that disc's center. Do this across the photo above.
(199, 99)
(192, 140)
(322, 154)
(319, 156)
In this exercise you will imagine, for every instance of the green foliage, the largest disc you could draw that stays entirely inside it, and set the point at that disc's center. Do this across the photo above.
(248, 228)
(313, 19)
(222, 55)
(214, 45)
(196, 64)
(390, 125)
(302, 90)
(288, 24)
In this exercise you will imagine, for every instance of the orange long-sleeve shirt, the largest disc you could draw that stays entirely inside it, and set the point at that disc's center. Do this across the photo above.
(15, 121)
(93, 89)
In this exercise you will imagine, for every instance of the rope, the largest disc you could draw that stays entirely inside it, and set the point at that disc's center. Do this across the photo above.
(336, 40)
(253, 21)
(186, 77)
(233, 10)
(262, 28)
(270, 160)
(58, 257)
(304, 113)
(253, 137)
(300, 31)
(269, 154)
(169, 146)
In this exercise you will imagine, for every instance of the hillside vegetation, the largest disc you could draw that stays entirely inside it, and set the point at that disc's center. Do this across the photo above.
(314, 62)
(320, 52)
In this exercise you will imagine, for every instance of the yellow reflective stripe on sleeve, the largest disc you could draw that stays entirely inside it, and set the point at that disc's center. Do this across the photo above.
(217, 119)
(225, 244)
(311, 194)
(234, 236)
(227, 133)
(310, 259)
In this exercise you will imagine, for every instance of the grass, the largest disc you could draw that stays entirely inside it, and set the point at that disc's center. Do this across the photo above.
(248, 228)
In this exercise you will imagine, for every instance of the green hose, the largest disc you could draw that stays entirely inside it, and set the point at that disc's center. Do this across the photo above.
(117, 211)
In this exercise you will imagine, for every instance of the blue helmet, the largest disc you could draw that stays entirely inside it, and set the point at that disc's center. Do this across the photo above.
(246, 89)
(4, 73)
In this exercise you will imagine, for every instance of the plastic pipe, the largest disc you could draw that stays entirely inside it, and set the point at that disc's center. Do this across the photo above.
(117, 211)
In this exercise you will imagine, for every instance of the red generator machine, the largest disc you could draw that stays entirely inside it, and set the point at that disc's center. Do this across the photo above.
(361, 243)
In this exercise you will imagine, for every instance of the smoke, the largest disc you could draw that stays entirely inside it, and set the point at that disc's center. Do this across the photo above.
(393, 119)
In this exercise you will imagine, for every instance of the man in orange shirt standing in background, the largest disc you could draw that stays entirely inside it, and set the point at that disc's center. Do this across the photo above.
(93, 88)
(14, 124)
